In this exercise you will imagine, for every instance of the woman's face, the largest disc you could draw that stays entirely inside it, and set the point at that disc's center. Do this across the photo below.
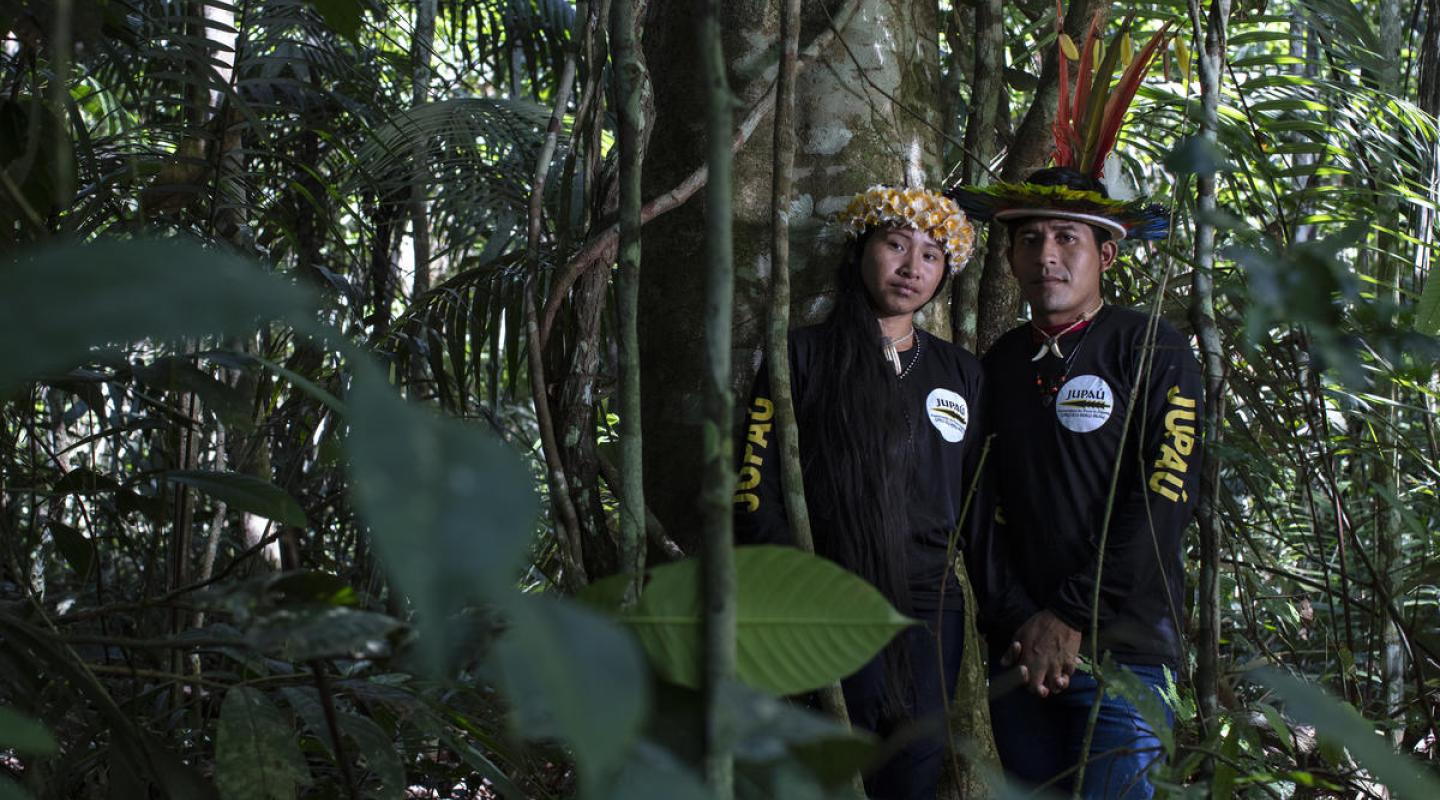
(901, 268)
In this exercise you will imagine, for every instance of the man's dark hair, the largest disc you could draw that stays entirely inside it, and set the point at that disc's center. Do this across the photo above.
(1070, 179)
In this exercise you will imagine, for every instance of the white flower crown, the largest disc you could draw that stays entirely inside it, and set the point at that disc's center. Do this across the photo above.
(916, 208)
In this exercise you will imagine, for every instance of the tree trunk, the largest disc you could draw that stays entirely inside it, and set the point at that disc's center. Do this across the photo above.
(980, 148)
(999, 298)
(1390, 254)
(632, 82)
(717, 535)
(865, 115)
(421, 47)
(1211, 30)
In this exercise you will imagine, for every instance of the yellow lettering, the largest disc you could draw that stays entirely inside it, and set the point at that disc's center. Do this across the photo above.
(1169, 459)
(757, 433)
(750, 500)
(750, 457)
(763, 411)
(1184, 441)
(749, 478)
(1159, 478)
(1174, 420)
(1175, 398)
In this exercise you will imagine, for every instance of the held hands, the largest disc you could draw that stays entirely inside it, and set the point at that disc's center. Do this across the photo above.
(1046, 650)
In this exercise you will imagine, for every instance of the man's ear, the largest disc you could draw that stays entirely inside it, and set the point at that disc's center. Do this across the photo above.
(1109, 250)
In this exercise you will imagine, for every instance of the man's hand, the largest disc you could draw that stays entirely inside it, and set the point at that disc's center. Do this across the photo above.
(1047, 651)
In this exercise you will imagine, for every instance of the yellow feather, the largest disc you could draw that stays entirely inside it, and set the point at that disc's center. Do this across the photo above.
(1067, 46)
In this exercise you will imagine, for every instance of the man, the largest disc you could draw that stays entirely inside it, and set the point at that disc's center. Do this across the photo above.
(1095, 411)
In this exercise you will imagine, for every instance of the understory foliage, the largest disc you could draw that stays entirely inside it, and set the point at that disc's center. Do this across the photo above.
(276, 514)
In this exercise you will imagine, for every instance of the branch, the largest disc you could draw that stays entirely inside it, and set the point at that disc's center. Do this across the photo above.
(601, 248)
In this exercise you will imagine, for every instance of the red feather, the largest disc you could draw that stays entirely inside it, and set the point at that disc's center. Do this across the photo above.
(1087, 61)
(1120, 98)
(1062, 127)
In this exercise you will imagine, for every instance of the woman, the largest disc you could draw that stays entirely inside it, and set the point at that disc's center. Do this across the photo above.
(888, 442)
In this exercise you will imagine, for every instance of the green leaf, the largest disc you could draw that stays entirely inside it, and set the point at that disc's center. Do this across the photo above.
(804, 622)
(256, 756)
(653, 774)
(769, 732)
(450, 507)
(78, 550)
(1197, 155)
(1339, 723)
(1427, 312)
(243, 492)
(574, 675)
(323, 632)
(9, 790)
(64, 300)
(1121, 682)
(1278, 724)
(343, 16)
(174, 373)
(432, 725)
(377, 750)
(25, 735)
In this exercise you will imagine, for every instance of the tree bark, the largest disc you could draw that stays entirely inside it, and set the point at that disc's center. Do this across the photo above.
(717, 534)
(999, 297)
(1209, 28)
(864, 115)
(1389, 255)
(421, 47)
(777, 329)
(980, 141)
(631, 83)
(565, 518)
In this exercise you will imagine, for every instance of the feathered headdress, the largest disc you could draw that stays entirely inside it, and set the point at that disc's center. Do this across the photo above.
(1087, 124)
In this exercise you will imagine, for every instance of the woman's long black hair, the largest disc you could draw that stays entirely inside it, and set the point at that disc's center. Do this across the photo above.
(857, 458)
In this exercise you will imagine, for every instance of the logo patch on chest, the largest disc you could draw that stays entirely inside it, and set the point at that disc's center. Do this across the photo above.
(949, 413)
(1084, 403)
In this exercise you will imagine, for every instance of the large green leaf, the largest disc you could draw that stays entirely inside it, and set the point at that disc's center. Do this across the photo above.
(243, 492)
(653, 774)
(450, 507)
(572, 674)
(1339, 723)
(24, 735)
(804, 622)
(256, 755)
(63, 301)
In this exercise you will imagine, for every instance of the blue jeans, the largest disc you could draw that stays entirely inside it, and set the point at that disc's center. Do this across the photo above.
(912, 772)
(1040, 738)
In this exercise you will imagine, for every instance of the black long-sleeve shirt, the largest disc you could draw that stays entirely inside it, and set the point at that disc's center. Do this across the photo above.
(1055, 457)
(942, 389)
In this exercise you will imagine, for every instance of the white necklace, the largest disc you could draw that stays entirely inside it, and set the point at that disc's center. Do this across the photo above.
(1051, 344)
(890, 346)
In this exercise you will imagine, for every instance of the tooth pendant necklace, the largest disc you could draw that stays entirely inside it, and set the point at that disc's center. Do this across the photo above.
(1051, 344)
(890, 346)
(1049, 385)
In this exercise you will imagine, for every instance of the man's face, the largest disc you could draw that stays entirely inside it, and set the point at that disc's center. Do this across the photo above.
(901, 268)
(1058, 265)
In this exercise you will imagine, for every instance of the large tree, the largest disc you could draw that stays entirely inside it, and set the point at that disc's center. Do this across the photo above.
(865, 114)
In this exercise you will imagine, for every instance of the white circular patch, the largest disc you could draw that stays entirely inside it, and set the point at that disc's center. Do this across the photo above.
(1084, 403)
(949, 413)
